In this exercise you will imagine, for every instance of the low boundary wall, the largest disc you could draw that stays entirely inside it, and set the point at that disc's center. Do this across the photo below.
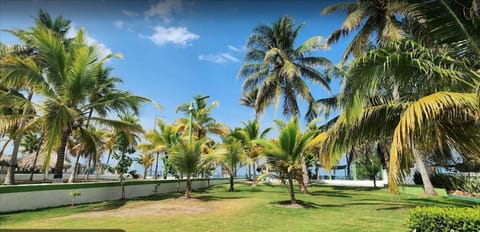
(38, 196)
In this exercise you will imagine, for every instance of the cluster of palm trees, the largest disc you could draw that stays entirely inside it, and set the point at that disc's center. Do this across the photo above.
(411, 88)
(74, 95)
(411, 84)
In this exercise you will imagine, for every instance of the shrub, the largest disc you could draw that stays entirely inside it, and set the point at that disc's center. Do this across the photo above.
(444, 219)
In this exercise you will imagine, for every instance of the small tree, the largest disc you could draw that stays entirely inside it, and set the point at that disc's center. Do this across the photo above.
(146, 160)
(231, 156)
(287, 153)
(186, 157)
(368, 166)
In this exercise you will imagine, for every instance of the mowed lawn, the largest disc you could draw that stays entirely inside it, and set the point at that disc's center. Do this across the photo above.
(247, 209)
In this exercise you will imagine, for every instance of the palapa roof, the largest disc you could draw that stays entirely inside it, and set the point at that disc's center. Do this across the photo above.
(27, 161)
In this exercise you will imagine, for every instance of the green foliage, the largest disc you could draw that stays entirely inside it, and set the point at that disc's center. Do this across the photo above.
(444, 219)
(367, 167)
(74, 193)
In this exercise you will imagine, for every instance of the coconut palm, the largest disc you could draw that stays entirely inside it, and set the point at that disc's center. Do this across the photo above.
(438, 79)
(146, 160)
(247, 135)
(187, 159)
(278, 70)
(380, 18)
(160, 141)
(287, 153)
(203, 123)
(231, 157)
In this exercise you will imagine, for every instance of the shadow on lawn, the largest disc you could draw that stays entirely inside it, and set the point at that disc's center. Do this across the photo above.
(331, 193)
(304, 204)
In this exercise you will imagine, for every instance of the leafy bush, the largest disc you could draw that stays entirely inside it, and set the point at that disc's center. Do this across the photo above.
(444, 219)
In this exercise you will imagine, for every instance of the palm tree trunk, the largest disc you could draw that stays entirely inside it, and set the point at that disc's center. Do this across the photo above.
(12, 164)
(156, 166)
(427, 184)
(88, 167)
(4, 147)
(58, 171)
(231, 184)
(145, 173)
(254, 170)
(188, 188)
(73, 176)
(306, 177)
(37, 153)
(293, 201)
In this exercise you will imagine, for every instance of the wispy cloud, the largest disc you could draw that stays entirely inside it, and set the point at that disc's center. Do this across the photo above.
(218, 58)
(130, 14)
(119, 24)
(222, 57)
(235, 49)
(174, 35)
(164, 9)
(103, 49)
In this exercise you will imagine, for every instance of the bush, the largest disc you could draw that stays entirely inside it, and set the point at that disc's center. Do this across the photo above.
(444, 219)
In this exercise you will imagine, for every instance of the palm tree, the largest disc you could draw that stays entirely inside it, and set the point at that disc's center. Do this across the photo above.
(160, 141)
(203, 123)
(187, 158)
(287, 153)
(278, 70)
(438, 79)
(381, 18)
(146, 160)
(247, 135)
(231, 157)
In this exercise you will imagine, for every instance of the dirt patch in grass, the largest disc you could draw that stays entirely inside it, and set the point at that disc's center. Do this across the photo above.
(151, 208)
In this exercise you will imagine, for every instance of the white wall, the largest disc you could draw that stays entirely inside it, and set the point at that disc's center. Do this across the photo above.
(17, 201)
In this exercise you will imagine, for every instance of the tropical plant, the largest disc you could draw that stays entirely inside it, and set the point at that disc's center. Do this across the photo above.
(276, 69)
(437, 78)
(161, 141)
(247, 135)
(231, 157)
(146, 160)
(199, 115)
(380, 18)
(286, 154)
(126, 142)
(187, 158)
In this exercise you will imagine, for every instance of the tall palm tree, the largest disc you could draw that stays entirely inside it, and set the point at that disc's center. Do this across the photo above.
(287, 153)
(278, 70)
(380, 18)
(438, 78)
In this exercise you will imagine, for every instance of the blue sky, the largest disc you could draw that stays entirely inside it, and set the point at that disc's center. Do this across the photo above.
(173, 50)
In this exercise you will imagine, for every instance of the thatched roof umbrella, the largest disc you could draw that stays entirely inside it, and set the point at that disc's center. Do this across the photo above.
(27, 162)
(5, 160)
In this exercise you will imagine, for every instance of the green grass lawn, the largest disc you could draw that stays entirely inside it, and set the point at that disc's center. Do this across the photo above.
(247, 209)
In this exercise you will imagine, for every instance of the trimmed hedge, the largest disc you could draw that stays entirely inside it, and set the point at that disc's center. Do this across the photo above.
(444, 219)
(45, 187)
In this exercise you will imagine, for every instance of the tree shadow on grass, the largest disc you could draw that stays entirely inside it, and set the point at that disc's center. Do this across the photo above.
(331, 194)
(450, 202)
(303, 204)
(216, 198)
(104, 206)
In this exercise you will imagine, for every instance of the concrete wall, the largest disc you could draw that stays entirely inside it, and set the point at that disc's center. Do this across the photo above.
(17, 201)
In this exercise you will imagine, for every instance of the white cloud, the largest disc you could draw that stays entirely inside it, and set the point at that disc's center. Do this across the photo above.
(175, 35)
(102, 49)
(130, 14)
(119, 24)
(218, 58)
(235, 49)
(164, 9)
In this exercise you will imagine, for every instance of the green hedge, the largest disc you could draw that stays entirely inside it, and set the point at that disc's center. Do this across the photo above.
(444, 219)
(44, 187)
